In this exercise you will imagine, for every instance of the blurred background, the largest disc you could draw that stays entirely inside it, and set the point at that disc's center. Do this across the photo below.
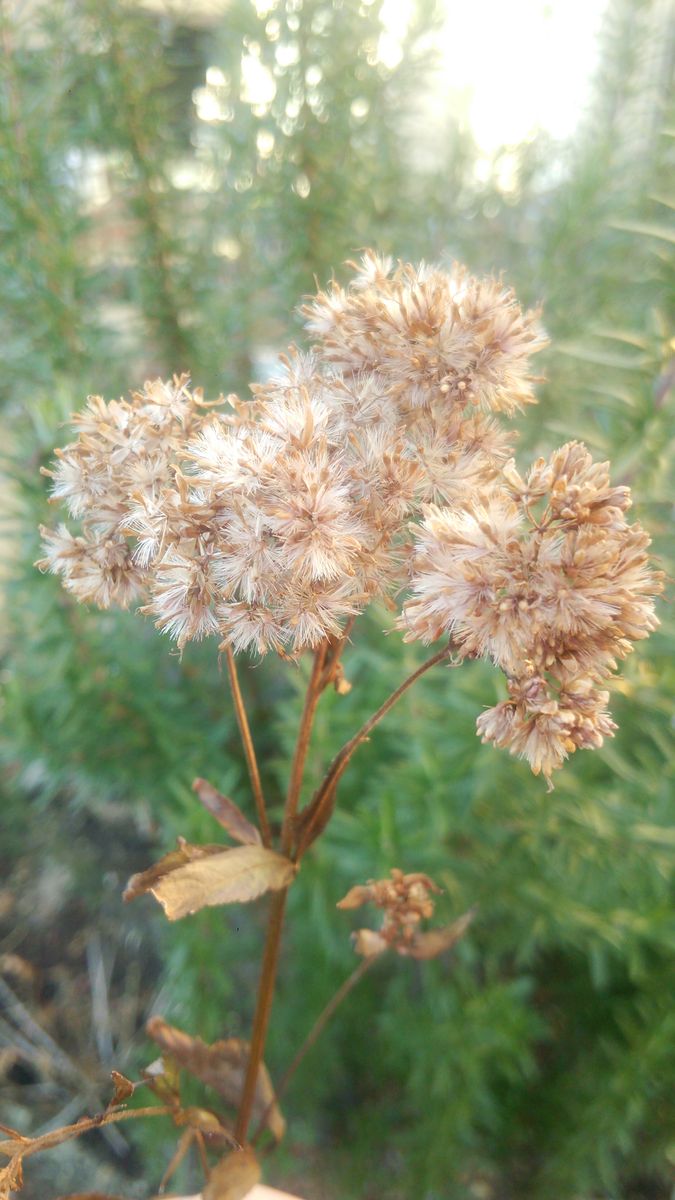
(172, 180)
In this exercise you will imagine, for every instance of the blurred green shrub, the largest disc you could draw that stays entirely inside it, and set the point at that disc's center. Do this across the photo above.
(160, 210)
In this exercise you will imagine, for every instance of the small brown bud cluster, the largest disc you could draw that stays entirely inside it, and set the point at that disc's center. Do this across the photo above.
(405, 901)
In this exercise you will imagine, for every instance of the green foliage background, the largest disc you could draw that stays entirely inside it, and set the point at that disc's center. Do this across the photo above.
(538, 1061)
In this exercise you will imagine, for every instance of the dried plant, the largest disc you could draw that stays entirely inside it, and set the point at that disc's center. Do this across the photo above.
(375, 467)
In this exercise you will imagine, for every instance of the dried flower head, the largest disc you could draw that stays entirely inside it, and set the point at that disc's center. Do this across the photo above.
(270, 523)
(430, 333)
(544, 576)
(405, 901)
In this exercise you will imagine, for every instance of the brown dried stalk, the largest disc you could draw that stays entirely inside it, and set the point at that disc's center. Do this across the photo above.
(314, 818)
(278, 903)
(325, 1016)
(18, 1148)
(249, 748)
(319, 812)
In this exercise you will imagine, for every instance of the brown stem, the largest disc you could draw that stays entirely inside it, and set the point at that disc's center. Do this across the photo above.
(314, 689)
(324, 797)
(55, 1137)
(313, 819)
(278, 905)
(334, 652)
(315, 1033)
(262, 1012)
(249, 749)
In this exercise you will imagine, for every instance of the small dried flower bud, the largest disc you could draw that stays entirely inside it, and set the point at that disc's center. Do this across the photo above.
(406, 902)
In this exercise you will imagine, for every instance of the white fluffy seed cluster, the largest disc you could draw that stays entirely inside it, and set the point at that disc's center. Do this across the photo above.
(545, 577)
(269, 523)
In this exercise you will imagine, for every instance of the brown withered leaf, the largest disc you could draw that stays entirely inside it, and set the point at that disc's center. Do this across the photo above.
(436, 941)
(355, 897)
(144, 881)
(227, 813)
(206, 1122)
(11, 1179)
(368, 943)
(124, 1088)
(222, 1066)
(235, 875)
(233, 1177)
(163, 1078)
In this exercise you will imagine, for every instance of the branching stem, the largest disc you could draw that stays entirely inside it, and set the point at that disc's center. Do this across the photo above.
(319, 679)
(341, 760)
(278, 904)
(315, 1033)
(314, 689)
(249, 749)
(19, 1148)
(325, 795)
(263, 1009)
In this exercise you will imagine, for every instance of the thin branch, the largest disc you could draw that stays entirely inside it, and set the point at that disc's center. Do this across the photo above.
(262, 1013)
(249, 749)
(313, 819)
(278, 904)
(314, 1034)
(314, 689)
(18, 1148)
(318, 681)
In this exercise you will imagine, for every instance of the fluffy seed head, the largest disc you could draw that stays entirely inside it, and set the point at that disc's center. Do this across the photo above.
(269, 523)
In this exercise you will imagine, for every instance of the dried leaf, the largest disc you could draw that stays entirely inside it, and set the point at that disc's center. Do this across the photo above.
(11, 1179)
(355, 897)
(163, 1078)
(221, 1066)
(124, 1088)
(206, 1122)
(145, 880)
(227, 813)
(233, 1177)
(436, 941)
(233, 875)
(342, 686)
(368, 943)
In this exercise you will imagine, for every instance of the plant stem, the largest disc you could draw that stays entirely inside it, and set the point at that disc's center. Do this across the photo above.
(55, 1137)
(278, 904)
(262, 1012)
(315, 813)
(315, 1033)
(314, 689)
(249, 749)
(341, 760)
